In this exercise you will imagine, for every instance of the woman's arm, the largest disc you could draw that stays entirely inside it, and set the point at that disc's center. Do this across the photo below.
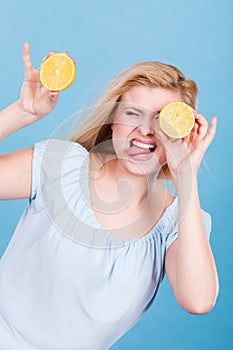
(190, 265)
(16, 174)
(34, 103)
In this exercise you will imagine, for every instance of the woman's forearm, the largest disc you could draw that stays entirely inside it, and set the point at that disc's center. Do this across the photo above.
(196, 275)
(12, 119)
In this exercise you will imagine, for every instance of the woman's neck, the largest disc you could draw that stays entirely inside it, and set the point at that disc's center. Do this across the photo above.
(125, 203)
(114, 188)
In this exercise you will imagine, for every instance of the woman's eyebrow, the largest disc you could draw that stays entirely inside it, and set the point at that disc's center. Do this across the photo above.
(141, 109)
(137, 109)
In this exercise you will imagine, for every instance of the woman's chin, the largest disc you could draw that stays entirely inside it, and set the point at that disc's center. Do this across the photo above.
(141, 167)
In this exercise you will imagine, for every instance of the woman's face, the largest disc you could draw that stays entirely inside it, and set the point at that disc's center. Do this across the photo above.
(134, 128)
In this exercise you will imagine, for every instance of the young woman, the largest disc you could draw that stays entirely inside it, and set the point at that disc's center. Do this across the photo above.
(100, 229)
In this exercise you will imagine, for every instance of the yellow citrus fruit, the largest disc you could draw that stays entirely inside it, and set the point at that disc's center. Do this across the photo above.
(57, 72)
(176, 119)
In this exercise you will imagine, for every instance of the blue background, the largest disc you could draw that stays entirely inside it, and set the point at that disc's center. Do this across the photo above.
(106, 37)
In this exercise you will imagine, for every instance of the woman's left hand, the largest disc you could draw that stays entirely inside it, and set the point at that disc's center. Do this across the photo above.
(184, 155)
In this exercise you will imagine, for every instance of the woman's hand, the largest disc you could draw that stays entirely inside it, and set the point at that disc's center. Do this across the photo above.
(35, 101)
(184, 155)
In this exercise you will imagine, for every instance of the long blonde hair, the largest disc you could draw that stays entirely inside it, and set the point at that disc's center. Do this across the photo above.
(97, 128)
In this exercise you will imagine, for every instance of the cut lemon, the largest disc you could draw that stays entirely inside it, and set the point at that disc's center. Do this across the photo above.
(58, 72)
(176, 119)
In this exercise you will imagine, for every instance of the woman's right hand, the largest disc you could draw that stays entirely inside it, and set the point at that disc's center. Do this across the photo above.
(36, 101)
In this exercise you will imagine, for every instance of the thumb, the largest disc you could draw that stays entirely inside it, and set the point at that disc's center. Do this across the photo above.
(54, 95)
(51, 101)
(53, 98)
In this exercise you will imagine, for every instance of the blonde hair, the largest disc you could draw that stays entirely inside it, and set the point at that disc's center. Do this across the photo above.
(97, 128)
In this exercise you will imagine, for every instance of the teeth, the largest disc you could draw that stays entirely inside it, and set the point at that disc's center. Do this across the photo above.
(142, 145)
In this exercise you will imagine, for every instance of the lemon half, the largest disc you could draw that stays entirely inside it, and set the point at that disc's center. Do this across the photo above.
(58, 72)
(176, 119)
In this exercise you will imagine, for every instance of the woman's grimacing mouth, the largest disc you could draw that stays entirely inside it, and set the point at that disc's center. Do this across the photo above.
(143, 144)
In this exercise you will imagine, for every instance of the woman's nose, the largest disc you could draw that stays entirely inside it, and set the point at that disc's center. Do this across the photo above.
(146, 126)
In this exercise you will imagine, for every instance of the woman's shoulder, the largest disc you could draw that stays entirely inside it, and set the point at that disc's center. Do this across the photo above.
(57, 148)
(58, 167)
(58, 145)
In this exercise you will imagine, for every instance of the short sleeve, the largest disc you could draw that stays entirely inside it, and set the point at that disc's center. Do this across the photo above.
(174, 233)
(38, 152)
(49, 157)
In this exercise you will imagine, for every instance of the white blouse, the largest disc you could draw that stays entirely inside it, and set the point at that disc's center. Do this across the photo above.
(65, 282)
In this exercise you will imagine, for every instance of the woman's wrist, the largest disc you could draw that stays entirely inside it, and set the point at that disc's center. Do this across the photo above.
(24, 117)
(13, 118)
(187, 191)
(186, 187)
(185, 179)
